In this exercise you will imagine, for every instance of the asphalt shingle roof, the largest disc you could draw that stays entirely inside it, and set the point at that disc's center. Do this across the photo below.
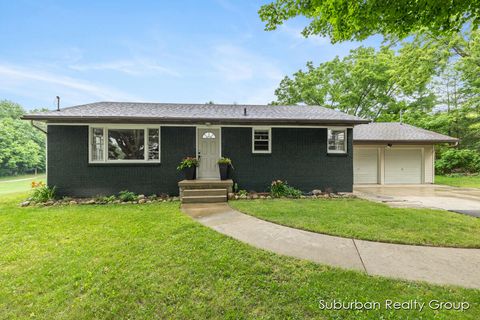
(395, 132)
(173, 112)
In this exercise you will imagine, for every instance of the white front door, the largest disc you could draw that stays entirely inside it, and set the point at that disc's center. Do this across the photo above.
(208, 153)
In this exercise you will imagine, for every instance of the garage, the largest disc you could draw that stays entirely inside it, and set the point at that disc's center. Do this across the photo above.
(365, 170)
(394, 153)
(403, 166)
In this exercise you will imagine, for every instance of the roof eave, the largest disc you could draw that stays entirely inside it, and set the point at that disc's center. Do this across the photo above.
(67, 119)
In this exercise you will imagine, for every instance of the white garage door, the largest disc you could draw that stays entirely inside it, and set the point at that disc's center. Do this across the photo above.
(365, 165)
(403, 166)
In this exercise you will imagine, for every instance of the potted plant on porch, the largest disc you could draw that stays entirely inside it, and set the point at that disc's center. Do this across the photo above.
(188, 165)
(224, 164)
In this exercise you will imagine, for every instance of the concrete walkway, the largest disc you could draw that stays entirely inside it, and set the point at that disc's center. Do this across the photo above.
(436, 265)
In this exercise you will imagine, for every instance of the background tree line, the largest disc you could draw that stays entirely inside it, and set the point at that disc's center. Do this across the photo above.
(22, 147)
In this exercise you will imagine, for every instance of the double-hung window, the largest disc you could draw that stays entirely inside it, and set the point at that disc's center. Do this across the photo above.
(337, 141)
(124, 144)
(261, 140)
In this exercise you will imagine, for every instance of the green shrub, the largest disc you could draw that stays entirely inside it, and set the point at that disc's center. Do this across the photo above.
(126, 196)
(109, 199)
(458, 161)
(280, 188)
(188, 162)
(223, 160)
(242, 193)
(43, 193)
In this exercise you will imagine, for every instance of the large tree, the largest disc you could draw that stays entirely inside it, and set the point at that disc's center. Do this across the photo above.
(22, 147)
(358, 19)
(9, 109)
(368, 83)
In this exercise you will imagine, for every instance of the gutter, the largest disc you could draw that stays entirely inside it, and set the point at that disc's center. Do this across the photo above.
(452, 142)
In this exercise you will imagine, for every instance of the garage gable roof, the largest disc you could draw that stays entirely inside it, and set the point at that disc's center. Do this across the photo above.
(194, 113)
(397, 132)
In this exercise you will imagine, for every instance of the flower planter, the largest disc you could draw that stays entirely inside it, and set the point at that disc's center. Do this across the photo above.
(223, 171)
(224, 165)
(190, 173)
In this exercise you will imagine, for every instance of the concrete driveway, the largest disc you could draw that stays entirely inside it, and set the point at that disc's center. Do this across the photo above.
(461, 200)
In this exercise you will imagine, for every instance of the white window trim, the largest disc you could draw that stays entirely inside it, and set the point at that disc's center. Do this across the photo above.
(269, 129)
(126, 126)
(346, 141)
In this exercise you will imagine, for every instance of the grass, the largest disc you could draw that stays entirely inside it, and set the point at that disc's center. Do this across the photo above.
(22, 176)
(152, 261)
(472, 181)
(17, 184)
(362, 219)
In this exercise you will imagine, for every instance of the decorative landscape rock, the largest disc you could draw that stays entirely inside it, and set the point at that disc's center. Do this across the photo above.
(142, 199)
(100, 200)
(315, 194)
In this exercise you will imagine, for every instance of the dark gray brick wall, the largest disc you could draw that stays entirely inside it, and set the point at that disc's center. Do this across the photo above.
(299, 155)
(69, 170)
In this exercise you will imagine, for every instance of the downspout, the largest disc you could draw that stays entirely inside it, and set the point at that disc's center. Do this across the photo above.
(46, 145)
(37, 127)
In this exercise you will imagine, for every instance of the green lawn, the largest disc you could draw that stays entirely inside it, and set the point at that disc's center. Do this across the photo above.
(152, 261)
(362, 219)
(459, 181)
(18, 183)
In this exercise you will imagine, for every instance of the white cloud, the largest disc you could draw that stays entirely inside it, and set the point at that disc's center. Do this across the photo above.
(39, 83)
(234, 63)
(243, 76)
(134, 67)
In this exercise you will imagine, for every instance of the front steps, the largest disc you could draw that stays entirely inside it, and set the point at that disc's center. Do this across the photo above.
(204, 195)
(204, 191)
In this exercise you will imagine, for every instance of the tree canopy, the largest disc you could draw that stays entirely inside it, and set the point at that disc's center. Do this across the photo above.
(342, 20)
(366, 82)
(22, 147)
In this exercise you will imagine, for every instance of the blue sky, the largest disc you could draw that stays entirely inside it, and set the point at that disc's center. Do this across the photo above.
(159, 51)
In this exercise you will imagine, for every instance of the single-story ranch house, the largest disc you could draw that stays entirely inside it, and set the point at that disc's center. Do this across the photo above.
(105, 147)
